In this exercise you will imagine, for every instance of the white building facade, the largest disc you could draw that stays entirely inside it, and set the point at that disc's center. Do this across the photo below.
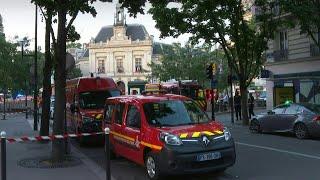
(121, 51)
(293, 61)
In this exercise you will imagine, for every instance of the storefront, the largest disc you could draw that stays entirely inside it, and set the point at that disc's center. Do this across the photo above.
(295, 87)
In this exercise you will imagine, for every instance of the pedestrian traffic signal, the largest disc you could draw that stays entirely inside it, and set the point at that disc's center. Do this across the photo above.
(209, 72)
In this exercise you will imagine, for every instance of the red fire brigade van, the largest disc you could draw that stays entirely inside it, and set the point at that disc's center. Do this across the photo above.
(168, 134)
(85, 101)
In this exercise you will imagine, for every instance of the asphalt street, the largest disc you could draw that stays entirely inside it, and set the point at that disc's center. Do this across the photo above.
(259, 157)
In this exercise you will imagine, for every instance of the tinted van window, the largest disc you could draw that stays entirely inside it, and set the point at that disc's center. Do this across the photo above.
(118, 110)
(133, 117)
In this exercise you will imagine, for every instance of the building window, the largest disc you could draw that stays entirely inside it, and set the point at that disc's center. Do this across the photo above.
(120, 68)
(283, 40)
(138, 65)
(101, 68)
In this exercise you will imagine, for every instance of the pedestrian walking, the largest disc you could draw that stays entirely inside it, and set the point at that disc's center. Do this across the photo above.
(237, 105)
(251, 105)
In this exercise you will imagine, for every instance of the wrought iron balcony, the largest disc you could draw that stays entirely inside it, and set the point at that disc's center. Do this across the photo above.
(314, 50)
(281, 55)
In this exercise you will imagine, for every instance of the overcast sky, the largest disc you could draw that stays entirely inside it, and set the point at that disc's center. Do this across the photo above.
(18, 19)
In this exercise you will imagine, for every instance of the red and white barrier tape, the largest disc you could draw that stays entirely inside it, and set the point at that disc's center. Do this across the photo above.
(12, 113)
(51, 137)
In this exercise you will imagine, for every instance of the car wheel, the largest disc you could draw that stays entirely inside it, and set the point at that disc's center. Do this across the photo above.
(152, 166)
(301, 131)
(255, 126)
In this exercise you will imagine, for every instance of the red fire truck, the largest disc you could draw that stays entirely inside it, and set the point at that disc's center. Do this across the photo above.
(188, 88)
(85, 102)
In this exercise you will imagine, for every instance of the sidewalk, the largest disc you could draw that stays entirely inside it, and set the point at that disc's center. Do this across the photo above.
(18, 126)
(225, 117)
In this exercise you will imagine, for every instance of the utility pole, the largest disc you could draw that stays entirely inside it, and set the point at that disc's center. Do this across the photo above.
(4, 103)
(25, 90)
(35, 95)
(231, 92)
(213, 86)
(211, 74)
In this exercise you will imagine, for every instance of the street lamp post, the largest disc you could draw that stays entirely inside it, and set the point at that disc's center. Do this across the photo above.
(35, 95)
(25, 91)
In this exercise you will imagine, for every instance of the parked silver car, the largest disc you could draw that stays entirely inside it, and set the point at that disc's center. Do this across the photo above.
(302, 119)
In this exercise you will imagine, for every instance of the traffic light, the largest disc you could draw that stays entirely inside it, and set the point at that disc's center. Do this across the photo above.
(214, 69)
(209, 71)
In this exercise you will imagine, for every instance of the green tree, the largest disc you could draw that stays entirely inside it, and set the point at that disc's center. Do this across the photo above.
(224, 22)
(48, 13)
(7, 57)
(306, 14)
(74, 45)
(188, 62)
(74, 73)
(65, 30)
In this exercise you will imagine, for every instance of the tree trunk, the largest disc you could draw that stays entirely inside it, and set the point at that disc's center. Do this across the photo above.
(244, 103)
(60, 84)
(45, 116)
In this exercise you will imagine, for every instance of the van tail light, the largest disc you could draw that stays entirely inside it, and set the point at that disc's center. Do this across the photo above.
(317, 119)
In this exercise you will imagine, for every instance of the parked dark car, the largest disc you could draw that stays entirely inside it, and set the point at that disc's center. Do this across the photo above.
(302, 119)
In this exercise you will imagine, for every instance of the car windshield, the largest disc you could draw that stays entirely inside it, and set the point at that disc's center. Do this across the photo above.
(313, 107)
(174, 113)
(96, 99)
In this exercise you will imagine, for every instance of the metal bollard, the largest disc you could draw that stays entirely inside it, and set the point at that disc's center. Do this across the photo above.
(107, 151)
(3, 156)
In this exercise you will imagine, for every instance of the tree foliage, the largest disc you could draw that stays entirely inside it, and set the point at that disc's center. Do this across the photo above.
(67, 11)
(224, 22)
(8, 54)
(189, 62)
(74, 73)
(74, 45)
(11, 60)
(306, 13)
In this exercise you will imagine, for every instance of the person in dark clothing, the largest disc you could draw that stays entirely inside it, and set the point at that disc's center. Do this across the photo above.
(237, 105)
(251, 105)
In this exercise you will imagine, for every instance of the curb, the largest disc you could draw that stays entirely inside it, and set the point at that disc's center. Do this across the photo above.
(227, 112)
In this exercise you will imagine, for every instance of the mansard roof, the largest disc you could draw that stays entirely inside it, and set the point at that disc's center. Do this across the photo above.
(134, 31)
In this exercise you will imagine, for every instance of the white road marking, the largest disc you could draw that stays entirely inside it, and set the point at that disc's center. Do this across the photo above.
(280, 150)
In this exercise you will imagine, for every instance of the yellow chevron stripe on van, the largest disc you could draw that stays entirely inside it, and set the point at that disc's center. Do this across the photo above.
(218, 132)
(208, 133)
(99, 116)
(184, 135)
(196, 134)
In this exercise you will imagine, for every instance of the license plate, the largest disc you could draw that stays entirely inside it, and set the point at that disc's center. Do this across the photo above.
(209, 156)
